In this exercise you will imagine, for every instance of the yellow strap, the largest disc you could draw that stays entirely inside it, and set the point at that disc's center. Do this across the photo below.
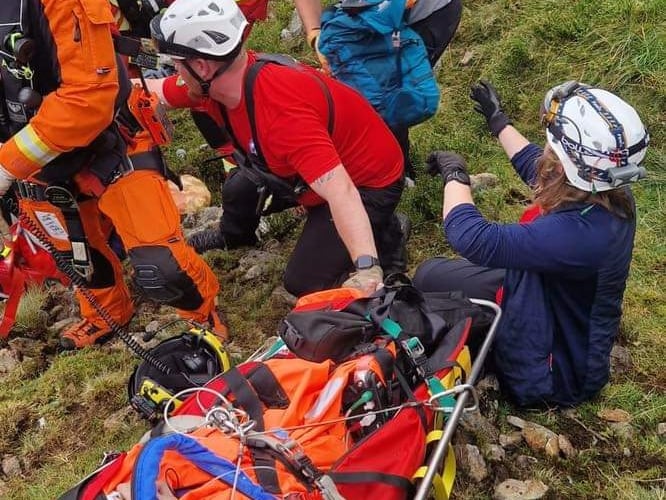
(434, 436)
(442, 484)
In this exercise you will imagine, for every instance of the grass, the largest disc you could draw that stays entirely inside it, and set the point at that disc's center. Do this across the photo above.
(524, 47)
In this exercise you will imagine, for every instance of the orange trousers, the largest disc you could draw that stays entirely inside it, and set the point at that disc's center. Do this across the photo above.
(140, 208)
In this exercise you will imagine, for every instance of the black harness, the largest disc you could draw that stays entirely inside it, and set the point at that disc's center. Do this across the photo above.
(283, 193)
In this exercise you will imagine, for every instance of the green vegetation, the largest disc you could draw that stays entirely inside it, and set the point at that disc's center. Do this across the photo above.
(59, 417)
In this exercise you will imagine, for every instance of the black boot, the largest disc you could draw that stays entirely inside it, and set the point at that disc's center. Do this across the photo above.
(393, 253)
(208, 239)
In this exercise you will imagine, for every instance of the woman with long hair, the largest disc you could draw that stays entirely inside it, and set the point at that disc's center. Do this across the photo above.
(560, 273)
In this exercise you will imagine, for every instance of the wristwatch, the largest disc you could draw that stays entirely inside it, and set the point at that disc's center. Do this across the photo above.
(365, 262)
(458, 175)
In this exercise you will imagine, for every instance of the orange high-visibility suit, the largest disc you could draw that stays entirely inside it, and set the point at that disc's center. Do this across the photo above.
(75, 70)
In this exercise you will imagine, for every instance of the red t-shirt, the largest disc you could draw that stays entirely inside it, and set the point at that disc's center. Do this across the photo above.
(291, 114)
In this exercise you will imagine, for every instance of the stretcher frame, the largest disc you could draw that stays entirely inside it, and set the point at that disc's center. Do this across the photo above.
(438, 454)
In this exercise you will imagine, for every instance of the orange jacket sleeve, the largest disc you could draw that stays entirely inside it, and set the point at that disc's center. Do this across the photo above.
(83, 105)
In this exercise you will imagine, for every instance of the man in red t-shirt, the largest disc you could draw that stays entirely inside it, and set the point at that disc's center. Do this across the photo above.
(321, 143)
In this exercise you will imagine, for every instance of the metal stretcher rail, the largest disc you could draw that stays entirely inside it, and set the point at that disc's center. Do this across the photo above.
(461, 402)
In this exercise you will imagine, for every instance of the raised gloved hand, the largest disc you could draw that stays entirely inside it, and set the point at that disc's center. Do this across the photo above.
(6, 179)
(488, 104)
(313, 42)
(451, 166)
(366, 280)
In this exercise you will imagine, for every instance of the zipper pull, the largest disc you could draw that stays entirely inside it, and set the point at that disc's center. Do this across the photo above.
(395, 39)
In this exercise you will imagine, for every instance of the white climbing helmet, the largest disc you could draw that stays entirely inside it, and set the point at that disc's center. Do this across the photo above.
(210, 29)
(599, 139)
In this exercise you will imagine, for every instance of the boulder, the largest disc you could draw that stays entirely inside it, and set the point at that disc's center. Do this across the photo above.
(194, 196)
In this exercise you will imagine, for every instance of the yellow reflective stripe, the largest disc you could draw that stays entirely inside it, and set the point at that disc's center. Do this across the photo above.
(32, 147)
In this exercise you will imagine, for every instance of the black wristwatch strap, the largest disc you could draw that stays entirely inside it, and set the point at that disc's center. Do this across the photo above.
(365, 262)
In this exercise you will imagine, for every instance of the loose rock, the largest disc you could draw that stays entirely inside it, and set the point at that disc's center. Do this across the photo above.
(512, 489)
(55, 310)
(510, 440)
(661, 429)
(294, 29)
(516, 421)
(59, 326)
(495, 453)
(483, 180)
(283, 295)
(623, 430)
(25, 346)
(467, 57)
(479, 425)
(472, 462)
(11, 467)
(620, 360)
(539, 438)
(525, 461)
(152, 327)
(8, 360)
(616, 415)
(566, 448)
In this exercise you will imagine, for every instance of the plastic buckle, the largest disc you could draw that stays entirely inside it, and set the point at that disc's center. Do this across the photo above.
(414, 347)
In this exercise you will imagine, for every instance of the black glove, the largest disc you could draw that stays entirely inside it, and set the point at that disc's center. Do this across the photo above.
(489, 105)
(451, 166)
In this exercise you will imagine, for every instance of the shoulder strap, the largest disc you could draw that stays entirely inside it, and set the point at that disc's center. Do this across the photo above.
(253, 73)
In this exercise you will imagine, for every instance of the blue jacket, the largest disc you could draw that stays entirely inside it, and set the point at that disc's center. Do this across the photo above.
(566, 275)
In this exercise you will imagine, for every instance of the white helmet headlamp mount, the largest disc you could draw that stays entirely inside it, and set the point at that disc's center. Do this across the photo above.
(598, 138)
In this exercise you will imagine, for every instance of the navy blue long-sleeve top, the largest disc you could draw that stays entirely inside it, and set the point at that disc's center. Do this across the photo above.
(562, 303)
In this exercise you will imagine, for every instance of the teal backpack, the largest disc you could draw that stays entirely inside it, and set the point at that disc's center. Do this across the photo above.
(370, 48)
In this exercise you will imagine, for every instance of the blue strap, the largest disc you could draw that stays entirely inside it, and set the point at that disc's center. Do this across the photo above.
(147, 467)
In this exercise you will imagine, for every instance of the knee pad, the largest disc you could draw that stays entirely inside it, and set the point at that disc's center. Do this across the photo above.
(159, 276)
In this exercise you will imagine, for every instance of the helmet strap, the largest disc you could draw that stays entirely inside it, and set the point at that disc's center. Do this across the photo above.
(205, 84)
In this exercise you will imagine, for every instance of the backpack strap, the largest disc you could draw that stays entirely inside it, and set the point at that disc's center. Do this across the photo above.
(253, 73)
(255, 163)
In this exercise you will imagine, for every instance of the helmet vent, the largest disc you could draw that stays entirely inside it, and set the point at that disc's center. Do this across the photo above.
(217, 37)
(214, 7)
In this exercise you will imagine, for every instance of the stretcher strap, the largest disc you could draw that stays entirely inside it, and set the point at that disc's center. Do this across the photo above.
(442, 483)
(247, 398)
